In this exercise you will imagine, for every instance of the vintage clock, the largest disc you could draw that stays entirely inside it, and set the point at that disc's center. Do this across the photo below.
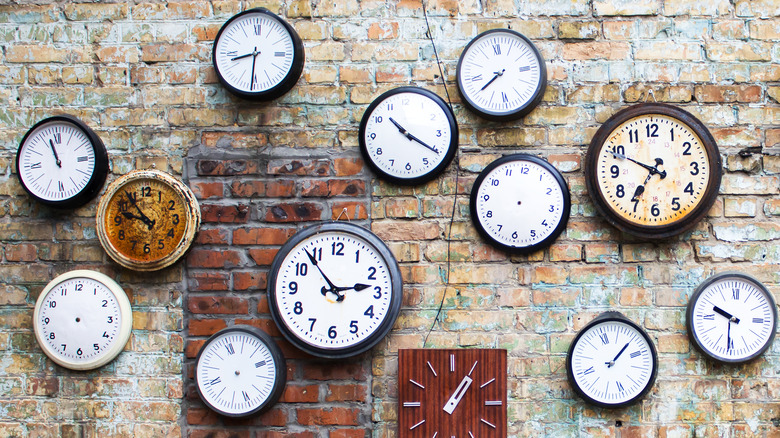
(334, 290)
(501, 75)
(446, 393)
(257, 55)
(82, 320)
(147, 220)
(520, 203)
(612, 362)
(61, 162)
(731, 318)
(408, 135)
(653, 170)
(240, 371)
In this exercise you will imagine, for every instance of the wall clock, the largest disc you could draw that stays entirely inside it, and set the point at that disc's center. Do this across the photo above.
(501, 75)
(446, 393)
(240, 372)
(408, 135)
(334, 290)
(612, 362)
(82, 320)
(653, 170)
(731, 318)
(147, 220)
(520, 203)
(257, 55)
(61, 162)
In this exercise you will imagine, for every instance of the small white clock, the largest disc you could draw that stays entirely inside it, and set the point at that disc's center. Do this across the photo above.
(82, 320)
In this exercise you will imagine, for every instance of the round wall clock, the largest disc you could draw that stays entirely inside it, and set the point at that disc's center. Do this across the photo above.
(257, 55)
(240, 372)
(147, 220)
(446, 393)
(82, 320)
(612, 362)
(408, 135)
(334, 290)
(520, 203)
(653, 170)
(501, 75)
(61, 162)
(731, 318)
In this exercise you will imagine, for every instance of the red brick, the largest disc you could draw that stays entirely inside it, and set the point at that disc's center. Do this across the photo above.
(285, 434)
(193, 347)
(201, 416)
(348, 392)
(214, 236)
(204, 190)
(728, 93)
(299, 167)
(334, 371)
(213, 258)
(263, 257)
(209, 281)
(348, 433)
(247, 189)
(232, 214)
(227, 168)
(24, 252)
(218, 305)
(314, 188)
(280, 189)
(249, 280)
(353, 187)
(354, 210)
(262, 236)
(265, 324)
(328, 417)
(205, 327)
(294, 212)
(347, 166)
(300, 394)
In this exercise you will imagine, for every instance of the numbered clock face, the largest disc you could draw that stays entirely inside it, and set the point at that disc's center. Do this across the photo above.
(447, 393)
(501, 75)
(408, 135)
(520, 203)
(147, 220)
(334, 290)
(257, 55)
(732, 318)
(61, 162)
(612, 362)
(240, 372)
(82, 320)
(653, 170)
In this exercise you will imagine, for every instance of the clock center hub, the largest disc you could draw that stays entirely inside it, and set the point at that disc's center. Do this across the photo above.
(78, 319)
(238, 373)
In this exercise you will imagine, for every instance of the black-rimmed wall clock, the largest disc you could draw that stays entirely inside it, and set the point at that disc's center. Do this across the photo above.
(61, 162)
(653, 170)
(501, 75)
(408, 135)
(520, 203)
(258, 55)
(334, 290)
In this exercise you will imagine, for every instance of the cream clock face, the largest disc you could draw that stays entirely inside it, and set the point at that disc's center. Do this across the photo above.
(82, 320)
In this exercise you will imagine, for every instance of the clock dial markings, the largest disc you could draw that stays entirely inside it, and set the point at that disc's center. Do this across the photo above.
(416, 384)
(488, 423)
(431, 368)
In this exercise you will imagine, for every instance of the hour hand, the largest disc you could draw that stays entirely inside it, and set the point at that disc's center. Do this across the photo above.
(725, 314)
(149, 223)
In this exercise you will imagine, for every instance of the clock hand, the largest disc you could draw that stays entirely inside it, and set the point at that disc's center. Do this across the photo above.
(411, 137)
(725, 314)
(145, 219)
(338, 289)
(728, 336)
(332, 287)
(612, 362)
(244, 56)
(54, 151)
(652, 169)
(252, 77)
(457, 396)
(496, 74)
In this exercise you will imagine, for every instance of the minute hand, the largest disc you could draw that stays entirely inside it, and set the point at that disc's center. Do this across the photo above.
(652, 169)
(411, 137)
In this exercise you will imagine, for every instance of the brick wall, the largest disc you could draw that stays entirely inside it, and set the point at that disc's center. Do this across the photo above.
(140, 74)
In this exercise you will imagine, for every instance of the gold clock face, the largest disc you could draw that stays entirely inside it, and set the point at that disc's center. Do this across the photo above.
(654, 170)
(147, 220)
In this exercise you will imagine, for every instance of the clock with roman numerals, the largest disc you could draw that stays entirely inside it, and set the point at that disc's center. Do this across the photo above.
(731, 318)
(240, 371)
(612, 362)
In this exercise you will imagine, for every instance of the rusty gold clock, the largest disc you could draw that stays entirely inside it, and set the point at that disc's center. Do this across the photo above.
(147, 220)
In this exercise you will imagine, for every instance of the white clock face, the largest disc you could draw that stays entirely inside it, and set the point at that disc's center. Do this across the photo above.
(501, 73)
(520, 202)
(407, 135)
(56, 161)
(732, 318)
(254, 52)
(612, 363)
(82, 320)
(237, 372)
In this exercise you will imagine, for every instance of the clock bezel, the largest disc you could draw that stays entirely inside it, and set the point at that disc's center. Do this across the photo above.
(396, 286)
(433, 172)
(99, 173)
(693, 336)
(287, 83)
(686, 222)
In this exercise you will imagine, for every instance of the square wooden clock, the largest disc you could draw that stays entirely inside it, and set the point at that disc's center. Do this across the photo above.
(452, 393)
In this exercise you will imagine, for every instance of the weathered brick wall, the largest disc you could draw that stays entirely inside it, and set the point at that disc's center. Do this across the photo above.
(140, 74)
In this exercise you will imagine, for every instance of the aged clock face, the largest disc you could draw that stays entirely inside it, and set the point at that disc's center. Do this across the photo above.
(520, 203)
(82, 320)
(501, 75)
(258, 55)
(147, 220)
(240, 372)
(653, 170)
(334, 290)
(612, 362)
(408, 135)
(731, 318)
(446, 393)
(61, 162)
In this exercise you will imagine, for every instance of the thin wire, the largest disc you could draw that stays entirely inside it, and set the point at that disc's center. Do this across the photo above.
(457, 178)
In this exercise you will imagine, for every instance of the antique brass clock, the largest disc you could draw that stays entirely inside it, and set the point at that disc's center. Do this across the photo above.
(147, 220)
